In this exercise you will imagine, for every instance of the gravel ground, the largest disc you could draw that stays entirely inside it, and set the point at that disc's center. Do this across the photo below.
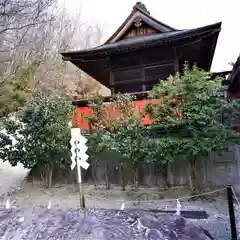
(66, 196)
(42, 224)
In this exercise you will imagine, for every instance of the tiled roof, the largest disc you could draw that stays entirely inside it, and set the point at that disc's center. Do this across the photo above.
(146, 40)
(235, 74)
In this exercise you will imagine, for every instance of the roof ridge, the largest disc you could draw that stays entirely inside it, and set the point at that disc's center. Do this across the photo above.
(141, 6)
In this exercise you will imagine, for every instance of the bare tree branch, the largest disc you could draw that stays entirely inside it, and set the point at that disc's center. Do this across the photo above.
(29, 49)
(23, 26)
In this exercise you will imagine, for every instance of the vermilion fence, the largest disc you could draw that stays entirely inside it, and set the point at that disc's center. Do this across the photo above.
(80, 115)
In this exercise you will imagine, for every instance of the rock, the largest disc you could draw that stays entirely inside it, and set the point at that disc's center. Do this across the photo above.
(98, 225)
(152, 234)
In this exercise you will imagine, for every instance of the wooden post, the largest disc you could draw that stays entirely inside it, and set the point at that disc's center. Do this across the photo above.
(79, 175)
(79, 159)
(81, 194)
(231, 213)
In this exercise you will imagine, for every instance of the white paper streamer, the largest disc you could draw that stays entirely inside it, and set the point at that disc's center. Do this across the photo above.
(178, 210)
(122, 206)
(49, 205)
(7, 204)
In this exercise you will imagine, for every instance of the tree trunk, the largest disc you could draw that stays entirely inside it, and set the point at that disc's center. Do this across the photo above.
(46, 178)
(162, 175)
(165, 176)
(42, 178)
(106, 177)
(94, 174)
(136, 176)
(46, 175)
(158, 175)
(50, 176)
(192, 172)
(42, 172)
(122, 178)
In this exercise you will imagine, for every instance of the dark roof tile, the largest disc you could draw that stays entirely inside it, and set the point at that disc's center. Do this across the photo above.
(149, 39)
(139, 39)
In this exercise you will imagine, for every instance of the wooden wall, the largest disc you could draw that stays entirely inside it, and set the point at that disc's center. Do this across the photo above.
(142, 30)
(139, 71)
(216, 171)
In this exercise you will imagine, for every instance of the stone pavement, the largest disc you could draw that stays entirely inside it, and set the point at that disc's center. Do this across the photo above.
(11, 178)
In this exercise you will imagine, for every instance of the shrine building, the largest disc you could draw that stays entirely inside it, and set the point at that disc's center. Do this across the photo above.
(142, 51)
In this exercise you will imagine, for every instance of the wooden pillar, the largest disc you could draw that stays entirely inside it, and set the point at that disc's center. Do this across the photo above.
(142, 73)
(176, 61)
(111, 76)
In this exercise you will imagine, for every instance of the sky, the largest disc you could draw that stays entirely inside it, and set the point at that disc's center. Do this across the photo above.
(180, 14)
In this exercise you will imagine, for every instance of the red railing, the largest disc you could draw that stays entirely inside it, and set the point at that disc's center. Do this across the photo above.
(81, 114)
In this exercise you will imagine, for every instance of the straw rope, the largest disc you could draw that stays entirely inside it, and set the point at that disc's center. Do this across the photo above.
(237, 200)
(169, 199)
(180, 198)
